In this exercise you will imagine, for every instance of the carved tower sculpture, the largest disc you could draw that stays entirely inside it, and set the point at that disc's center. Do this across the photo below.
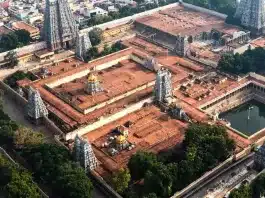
(252, 15)
(84, 154)
(82, 45)
(60, 29)
(93, 85)
(163, 87)
(36, 109)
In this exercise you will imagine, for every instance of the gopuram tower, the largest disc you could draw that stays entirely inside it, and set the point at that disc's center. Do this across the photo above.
(60, 29)
(251, 13)
(163, 86)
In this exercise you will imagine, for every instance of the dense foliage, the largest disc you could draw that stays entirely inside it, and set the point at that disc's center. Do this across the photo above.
(125, 11)
(13, 40)
(120, 180)
(223, 6)
(52, 165)
(93, 52)
(95, 36)
(205, 146)
(16, 182)
(18, 75)
(11, 58)
(249, 61)
(253, 190)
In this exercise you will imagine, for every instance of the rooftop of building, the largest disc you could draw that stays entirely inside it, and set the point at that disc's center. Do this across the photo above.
(4, 30)
(150, 129)
(182, 20)
(128, 75)
(21, 25)
(259, 42)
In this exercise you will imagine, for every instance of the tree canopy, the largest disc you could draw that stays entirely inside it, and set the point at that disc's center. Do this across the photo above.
(95, 36)
(249, 61)
(223, 6)
(52, 165)
(16, 182)
(205, 146)
(253, 190)
(13, 40)
(120, 180)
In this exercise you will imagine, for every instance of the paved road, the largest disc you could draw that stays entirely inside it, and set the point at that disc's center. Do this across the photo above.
(224, 182)
(15, 113)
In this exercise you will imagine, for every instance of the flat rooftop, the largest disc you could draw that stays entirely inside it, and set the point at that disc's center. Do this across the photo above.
(66, 100)
(259, 42)
(151, 129)
(116, 80)
(20, 25)
(209, 87)
(181, 20)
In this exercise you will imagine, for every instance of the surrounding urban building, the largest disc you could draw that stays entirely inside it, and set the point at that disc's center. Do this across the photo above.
(20, 25)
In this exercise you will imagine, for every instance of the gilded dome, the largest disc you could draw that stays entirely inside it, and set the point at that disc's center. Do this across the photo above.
(120, 139)
(92, 78)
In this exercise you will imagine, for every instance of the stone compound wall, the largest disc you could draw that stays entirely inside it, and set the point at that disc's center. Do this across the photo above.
(13, 94)
(107, 120)
(124, 20)
(26, 49)
(204, 10)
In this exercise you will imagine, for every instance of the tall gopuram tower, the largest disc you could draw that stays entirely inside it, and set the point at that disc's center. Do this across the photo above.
(60, 29)
(252, 15)
(84, 154)
(35, 108)
(82, 46)
(163, 86)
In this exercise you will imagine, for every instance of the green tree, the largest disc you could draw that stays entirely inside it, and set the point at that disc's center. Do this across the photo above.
(140, 163)
(9, 41)
(95, 36)
(258, 186)
(25, 136)
(21, 185)
(120, 180)
(51, 164)
(158, 180)
(242, 191)
(44, 159)
(106, 50)
(150, 195)
(92, 53)
(72, 182)
(11, 58)
(15, 181)
(23, 37)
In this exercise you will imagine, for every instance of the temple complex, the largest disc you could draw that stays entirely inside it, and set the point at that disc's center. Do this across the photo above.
(145, 96)
(60, 29)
